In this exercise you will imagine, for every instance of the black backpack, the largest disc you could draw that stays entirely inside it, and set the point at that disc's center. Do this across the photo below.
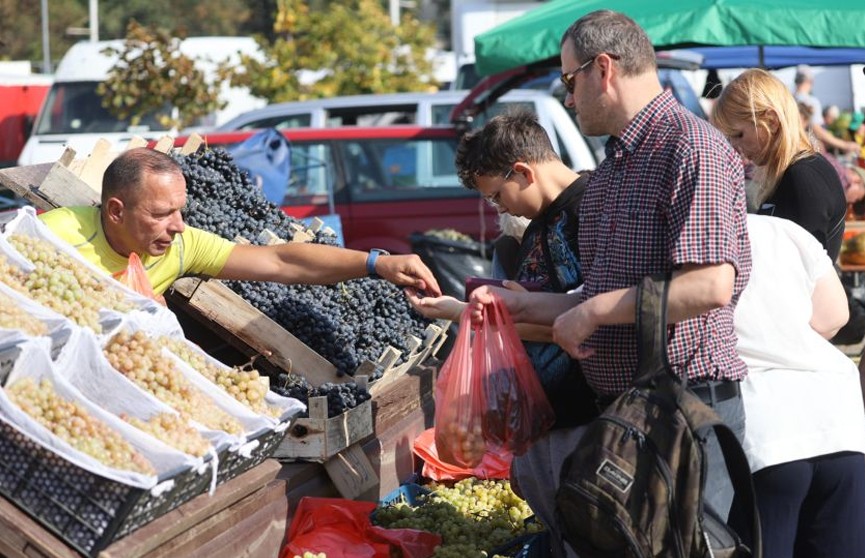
(633, 487)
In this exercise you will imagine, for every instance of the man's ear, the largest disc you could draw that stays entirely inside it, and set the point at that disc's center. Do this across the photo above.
(113, 210)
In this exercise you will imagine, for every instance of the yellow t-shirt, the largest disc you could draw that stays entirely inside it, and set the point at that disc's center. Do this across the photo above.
(195, 252)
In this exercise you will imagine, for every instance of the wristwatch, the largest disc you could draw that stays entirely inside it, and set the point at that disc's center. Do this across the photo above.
(370, 261)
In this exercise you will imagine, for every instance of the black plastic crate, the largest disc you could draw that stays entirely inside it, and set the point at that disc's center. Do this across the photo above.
(86, 510)
(232, 463)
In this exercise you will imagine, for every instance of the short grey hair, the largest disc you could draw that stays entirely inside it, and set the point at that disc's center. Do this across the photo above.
(606, 31)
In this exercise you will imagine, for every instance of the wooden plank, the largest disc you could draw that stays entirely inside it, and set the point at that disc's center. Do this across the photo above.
(94, 166)
(135, 142)
(24, 182)
(190, 516)
(23, 537)
(351, 472)
(218, 305)
(193, 142)
(165, 144)
(64, 189)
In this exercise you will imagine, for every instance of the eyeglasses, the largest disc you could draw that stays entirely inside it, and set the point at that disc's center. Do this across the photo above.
(569, 79)
(495, 199)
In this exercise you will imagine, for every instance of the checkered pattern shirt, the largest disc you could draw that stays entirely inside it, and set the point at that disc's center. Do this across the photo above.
(669, 193)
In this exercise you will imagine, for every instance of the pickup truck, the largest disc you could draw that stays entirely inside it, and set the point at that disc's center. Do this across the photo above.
(385, 183)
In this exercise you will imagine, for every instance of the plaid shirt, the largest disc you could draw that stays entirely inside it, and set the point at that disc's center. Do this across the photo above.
(670, 192)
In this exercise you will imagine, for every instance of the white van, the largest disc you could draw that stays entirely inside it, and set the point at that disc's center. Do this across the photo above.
(422, 109)
(72, 114)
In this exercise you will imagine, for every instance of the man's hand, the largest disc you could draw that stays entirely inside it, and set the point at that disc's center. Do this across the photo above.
(407, 271)
(509, 296)
(571, 329)
(436, 308)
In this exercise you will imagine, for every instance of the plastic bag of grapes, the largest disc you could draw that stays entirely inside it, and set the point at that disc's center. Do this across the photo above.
(488, 395)
(22, 318)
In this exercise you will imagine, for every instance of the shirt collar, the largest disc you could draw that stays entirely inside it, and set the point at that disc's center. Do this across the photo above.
(639, 127)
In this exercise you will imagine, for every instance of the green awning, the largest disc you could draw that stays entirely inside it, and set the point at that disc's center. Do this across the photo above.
(535, 36)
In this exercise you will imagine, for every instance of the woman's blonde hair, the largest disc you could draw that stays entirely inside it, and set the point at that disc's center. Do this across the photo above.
(758, 97)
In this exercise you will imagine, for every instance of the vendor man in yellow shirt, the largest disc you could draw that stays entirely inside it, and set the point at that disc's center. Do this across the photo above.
(143, 193)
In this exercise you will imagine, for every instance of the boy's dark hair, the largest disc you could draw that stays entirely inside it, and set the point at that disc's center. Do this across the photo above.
(507, 138)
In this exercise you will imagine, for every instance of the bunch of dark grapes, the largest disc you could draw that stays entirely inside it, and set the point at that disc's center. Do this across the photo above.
(347, 323)
(222, 200)
(340, 397)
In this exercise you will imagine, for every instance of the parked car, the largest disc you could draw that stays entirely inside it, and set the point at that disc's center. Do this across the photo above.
(421, 109)
(385, 183)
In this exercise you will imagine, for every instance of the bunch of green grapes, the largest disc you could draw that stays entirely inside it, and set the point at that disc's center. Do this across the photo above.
(71, 422)
(473, 517)
(174, 430)
(140, 358)
(12, 316)
(64, 285)
(243, 385)
(308, 554)
(12, 275)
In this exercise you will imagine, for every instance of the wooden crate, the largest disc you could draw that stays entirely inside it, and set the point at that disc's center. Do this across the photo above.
(319, 438)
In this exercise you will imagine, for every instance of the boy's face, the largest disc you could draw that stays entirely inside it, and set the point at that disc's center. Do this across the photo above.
(507, 193)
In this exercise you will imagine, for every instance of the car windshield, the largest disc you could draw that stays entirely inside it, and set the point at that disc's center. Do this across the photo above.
(76, 108)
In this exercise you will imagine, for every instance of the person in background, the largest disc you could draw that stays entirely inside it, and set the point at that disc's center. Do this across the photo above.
(804, 83)
(506, 247)
(512, 164)
(805, 433)
(143, 194)
(830, 118)
(761, 119)
(668, 198)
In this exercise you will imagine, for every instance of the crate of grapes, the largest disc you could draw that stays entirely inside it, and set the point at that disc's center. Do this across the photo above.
(233, 462)
(84, 473)
(86, 510)
(321, 436)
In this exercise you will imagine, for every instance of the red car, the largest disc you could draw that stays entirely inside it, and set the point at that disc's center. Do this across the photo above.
(385, 183)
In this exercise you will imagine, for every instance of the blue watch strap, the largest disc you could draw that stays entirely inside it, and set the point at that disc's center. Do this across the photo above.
(370, 261)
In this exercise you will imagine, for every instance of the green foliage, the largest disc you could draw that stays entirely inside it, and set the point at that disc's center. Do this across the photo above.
(351, 44)
(153, 76)
(21, 28)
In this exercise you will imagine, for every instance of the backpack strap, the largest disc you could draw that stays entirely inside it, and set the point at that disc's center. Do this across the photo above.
(651, 324)
(743, 484)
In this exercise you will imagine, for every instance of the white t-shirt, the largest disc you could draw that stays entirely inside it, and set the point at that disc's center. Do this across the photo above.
(802, 395)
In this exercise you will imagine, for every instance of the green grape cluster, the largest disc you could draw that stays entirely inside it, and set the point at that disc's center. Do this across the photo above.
(245, 386)
(64, 285)
(174, 430)
(71, 422)
(308, 554)
(473, 517)
(12, 316)
(140, 358)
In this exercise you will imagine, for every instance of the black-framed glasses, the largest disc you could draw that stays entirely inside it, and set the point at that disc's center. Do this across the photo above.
(569, 79)
(495, 199)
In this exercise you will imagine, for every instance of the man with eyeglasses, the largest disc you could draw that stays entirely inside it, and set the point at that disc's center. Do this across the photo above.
(669, 197)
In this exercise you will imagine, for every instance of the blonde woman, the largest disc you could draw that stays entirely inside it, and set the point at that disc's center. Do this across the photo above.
(793, 181)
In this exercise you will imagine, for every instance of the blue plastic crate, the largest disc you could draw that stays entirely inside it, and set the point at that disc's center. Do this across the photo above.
(407, 493)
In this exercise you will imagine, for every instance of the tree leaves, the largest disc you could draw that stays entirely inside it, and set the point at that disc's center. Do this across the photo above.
(153, 76)
(347, 47)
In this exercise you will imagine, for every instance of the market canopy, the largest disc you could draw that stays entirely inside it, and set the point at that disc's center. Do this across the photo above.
(534, 37)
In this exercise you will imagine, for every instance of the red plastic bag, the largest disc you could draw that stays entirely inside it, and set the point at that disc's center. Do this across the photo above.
(488, 395)
(496, 463)
(342, 529)
(135, 277)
